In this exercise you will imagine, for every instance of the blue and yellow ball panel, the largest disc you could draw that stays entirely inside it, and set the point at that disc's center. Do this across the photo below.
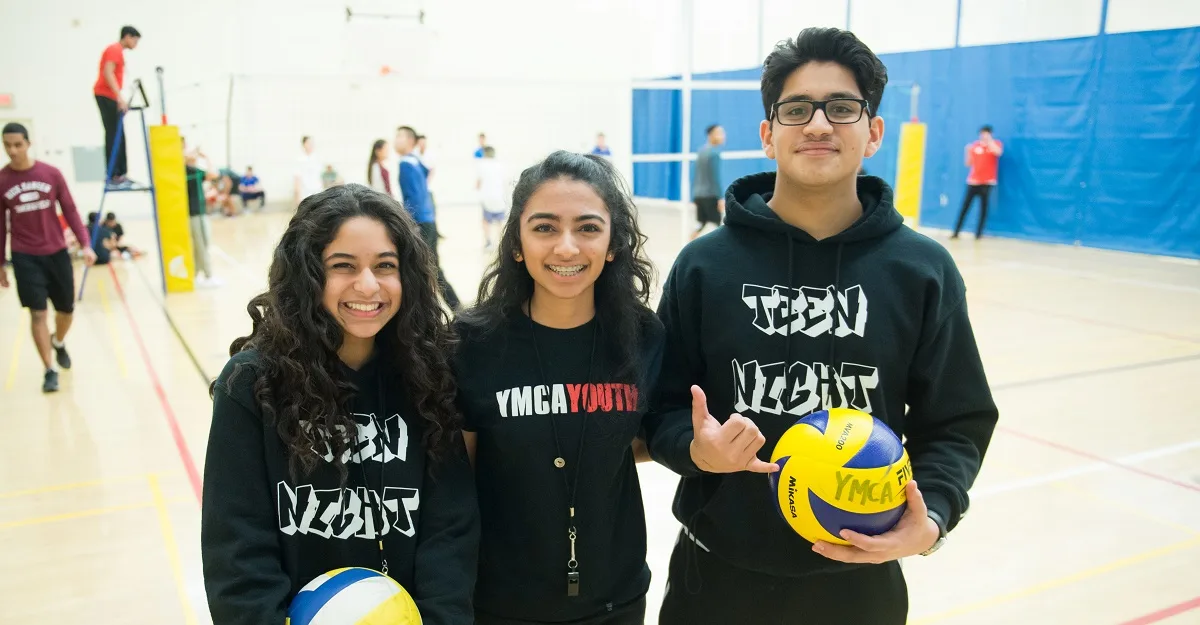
(353, 596)
(840, 469)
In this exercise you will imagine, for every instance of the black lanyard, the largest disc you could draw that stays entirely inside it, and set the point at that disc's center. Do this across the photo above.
(560, 461)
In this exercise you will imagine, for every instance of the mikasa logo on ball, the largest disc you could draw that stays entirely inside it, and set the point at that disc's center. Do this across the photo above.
(792, 495)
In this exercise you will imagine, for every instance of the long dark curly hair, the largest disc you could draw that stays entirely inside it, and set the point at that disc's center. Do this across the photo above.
(622, 290)
(297, 339)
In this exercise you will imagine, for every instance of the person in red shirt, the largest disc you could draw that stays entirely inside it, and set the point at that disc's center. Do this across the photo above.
(41, 265)
(983, 160)
(112, 105)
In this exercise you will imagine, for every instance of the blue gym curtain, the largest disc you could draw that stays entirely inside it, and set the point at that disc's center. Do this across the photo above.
(1101, 136)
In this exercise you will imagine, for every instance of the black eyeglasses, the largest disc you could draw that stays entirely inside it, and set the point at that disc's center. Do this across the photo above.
(800, 112)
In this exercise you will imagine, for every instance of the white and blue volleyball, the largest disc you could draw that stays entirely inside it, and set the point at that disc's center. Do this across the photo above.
(353, 596)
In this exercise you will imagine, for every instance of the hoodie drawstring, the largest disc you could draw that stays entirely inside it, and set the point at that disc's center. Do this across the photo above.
(787, 362)
(833, 314)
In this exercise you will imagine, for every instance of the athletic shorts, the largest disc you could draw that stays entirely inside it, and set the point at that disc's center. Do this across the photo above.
(706, 211)
(494, 218)
(45, 277)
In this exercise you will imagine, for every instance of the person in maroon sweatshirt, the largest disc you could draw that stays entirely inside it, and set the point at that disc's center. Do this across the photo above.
(41, 265)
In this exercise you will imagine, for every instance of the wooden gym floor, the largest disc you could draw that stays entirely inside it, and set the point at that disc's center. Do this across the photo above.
(1087, 510)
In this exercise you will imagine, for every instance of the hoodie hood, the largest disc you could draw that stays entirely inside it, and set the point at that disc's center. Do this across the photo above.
(746, 206)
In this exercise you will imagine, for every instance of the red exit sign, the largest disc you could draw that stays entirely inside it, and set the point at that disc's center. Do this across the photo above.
(6, 100)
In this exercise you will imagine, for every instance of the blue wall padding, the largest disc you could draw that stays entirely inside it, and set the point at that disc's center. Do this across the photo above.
(714, 107)
(1101, 134)
(659, 180)
(657, 119)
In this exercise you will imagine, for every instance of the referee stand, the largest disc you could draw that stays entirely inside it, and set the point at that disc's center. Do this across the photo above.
(164, 147)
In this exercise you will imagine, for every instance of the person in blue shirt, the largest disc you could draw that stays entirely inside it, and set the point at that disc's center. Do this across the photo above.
(251, 189)
(103, 240)
(415, 191)
(482, 144)
(601, 148)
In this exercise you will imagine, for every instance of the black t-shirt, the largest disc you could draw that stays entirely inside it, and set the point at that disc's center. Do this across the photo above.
(195, 184)
(524, 502)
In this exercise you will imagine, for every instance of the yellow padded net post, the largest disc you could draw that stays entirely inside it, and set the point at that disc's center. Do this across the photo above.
(910, 172)
(171, 209)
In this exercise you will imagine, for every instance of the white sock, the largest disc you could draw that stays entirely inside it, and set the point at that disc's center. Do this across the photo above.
(55, 342)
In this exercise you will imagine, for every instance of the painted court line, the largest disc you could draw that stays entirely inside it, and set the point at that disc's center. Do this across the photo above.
(93, 512)
(1088, 320)
(72, 486)
(1164, 614)
(168, 537)
(111, 323)
(1059, 582)
(1102, 459)
(80, 514)
(1094, 275)
(1096, 467)
(1094, 372)
(185, 455)
(174, 328)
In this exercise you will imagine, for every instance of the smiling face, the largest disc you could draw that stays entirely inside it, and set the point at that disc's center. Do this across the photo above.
(819, 153)
(565, 235)
(362, 278)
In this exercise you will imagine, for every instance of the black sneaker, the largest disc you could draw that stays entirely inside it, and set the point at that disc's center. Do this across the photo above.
(61, 355)
(50, 383)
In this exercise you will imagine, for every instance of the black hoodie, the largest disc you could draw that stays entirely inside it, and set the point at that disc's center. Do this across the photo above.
(264, 535)
(873, 318)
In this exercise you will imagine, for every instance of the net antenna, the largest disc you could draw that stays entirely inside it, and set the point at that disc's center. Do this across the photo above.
(418, 15)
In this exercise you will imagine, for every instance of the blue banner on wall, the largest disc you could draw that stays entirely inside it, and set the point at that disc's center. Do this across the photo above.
(1101, 135)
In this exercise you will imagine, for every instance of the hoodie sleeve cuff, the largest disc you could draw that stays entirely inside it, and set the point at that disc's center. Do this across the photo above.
(677, 455)
(940, 504)
(685, 466)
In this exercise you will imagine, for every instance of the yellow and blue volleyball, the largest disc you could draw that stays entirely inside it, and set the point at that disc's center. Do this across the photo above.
(353, 596)
(840, 469)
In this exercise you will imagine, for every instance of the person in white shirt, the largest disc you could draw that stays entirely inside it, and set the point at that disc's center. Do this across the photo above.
(377, 174)
(493, 187)
(307, 179)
